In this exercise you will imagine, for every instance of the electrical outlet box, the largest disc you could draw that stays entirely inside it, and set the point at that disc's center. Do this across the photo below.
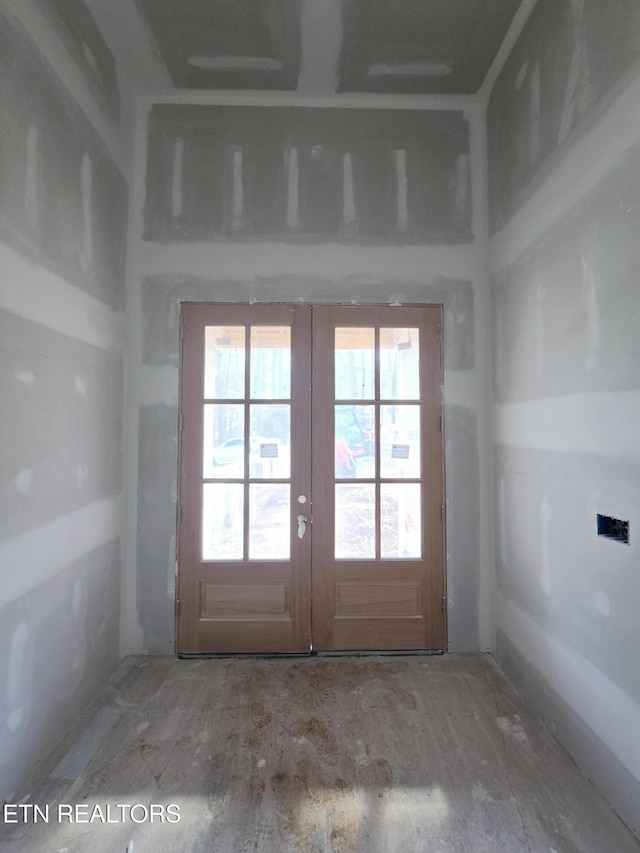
(613, 528)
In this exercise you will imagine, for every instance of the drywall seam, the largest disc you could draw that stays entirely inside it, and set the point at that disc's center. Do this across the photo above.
(131, 43)
(37, 555)
(459, 103)
(513, 34)
(54, 303)
(478, 393)
(55, 52)
(131, 633)
(248, 260)
(557, 424)
(594, 155)
(608, 711)
(321, 37)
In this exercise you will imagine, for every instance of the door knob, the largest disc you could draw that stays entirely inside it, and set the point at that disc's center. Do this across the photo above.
(302, 525)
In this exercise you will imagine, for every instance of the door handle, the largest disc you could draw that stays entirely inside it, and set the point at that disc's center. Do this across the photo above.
(302, 525)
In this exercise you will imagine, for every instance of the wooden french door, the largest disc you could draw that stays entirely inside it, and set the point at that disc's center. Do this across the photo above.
(244, 575)
(311, 479)
(378, 571)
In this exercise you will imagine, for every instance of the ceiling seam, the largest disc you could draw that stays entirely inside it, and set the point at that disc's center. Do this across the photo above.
(513, 34)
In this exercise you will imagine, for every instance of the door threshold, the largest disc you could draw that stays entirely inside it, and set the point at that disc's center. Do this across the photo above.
(358, 653)
(268, 655)
(328, 653)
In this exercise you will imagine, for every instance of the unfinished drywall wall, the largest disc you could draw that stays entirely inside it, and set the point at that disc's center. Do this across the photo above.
(59, 643)
(572, 54)
(63, 205)
(384, 229)
(304, 174)
(73, 203)
(50, 382)
(566, 312)
(86, 45)
(565, 199)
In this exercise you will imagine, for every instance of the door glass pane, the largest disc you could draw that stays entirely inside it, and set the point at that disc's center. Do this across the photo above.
(222, 517)
(224, 362)
(400, 536)
(400, 441)
(223, 441)
(399, 364)
(355, 445)
(270, 445)
(355, 523)
(354, 363)
(269, 521)
(270, 362)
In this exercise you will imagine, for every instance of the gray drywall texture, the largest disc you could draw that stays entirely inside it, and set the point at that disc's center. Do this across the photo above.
(63, 202)
(580, 588)
(85, 43)
(462, 481)
(59, 643)
(162, 295)
(454, 42)
(449, 45)
(157, 479)
(62, 444)
(566, 316)
(266, 30)
(597, 762)
(567, 59)
(161, 298)
(281, 173)
(565, 328)
(62, 208)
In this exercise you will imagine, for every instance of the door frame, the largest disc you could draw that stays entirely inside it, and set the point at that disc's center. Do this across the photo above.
(181, 453)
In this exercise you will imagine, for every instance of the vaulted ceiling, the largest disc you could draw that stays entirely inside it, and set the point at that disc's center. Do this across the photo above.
(326, 46)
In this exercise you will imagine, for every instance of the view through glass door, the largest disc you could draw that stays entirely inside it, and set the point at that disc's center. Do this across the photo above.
(311, 479)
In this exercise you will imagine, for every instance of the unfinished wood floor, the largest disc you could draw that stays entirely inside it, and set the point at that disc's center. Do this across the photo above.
(321, 754)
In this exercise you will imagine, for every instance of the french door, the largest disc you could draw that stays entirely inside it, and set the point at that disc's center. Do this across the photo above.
(311, 479)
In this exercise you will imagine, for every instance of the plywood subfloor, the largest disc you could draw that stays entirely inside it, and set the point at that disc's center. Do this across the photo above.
(321, 754)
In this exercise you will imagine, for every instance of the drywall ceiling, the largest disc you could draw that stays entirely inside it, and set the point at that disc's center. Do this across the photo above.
(325, 46)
